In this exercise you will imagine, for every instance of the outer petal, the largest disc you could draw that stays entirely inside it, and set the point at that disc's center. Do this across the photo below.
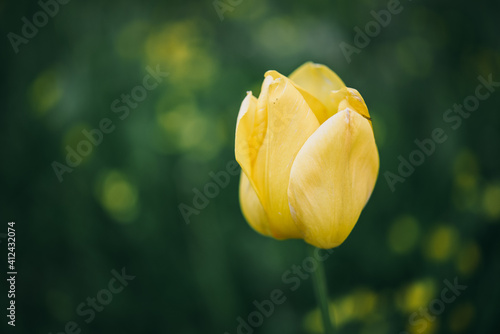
(316, 105)
(350, 98)
(290, 123)
(319, 81)
(251, 129)
(252, 207)
(245, 145)
(332, 178)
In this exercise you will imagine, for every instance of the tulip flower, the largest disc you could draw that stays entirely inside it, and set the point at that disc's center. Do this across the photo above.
(308, 155)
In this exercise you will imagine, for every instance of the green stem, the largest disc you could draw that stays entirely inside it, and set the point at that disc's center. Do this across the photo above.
(321, 292)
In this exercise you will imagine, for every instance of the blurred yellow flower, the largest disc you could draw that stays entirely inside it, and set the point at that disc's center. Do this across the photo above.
(308, 155)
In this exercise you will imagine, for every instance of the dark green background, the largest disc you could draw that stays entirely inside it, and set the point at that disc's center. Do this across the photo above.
(119, 207)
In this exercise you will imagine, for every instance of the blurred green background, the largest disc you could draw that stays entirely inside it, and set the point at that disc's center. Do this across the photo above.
(119, 207)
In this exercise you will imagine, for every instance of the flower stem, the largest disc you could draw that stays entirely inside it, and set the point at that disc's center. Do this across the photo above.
(321, 292)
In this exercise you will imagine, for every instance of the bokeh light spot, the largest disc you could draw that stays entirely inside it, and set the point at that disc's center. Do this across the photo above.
(45, 91)
(403, 234)
(343, 310)
(187, 130)
(119, 197)
(441, 243)
(357, 305)
(417, 294)
(312, 322)
(491, 201)
(365, 301)
(466, 164)
(425, 326)
(182, 49)
(468, 258)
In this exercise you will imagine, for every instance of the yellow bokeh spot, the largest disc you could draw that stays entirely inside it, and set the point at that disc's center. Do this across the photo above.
(403, 234)
(466, 163)
(466, 181)
(358, 305)
(343, 309)
(173, 42)
(424, 327)
(365, 301)
(461, 317)
(465, 193)
(416, 294)
(491, 201)
(45, 91)
(185, 124)
(312, 322)
(182, 49)
(187, 130)
(441, 243)
(468, 258)
(119, 197)
(466, 169)
(355, 306)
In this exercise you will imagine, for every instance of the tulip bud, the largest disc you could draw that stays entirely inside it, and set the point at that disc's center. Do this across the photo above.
(308, 155)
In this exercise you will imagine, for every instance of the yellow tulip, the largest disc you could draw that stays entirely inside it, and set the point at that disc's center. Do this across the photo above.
(308, 155)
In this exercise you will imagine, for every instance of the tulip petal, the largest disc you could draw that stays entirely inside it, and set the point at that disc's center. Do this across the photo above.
(252, 207)
(350, 98)
(316, 105)
(332, 178)
(290, 122)
(319, 81)
(251, 128)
